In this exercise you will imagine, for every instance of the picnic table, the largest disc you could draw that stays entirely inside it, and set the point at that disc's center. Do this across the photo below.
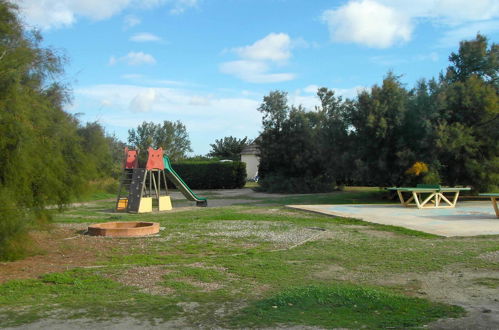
(493, 197)
(428, 196)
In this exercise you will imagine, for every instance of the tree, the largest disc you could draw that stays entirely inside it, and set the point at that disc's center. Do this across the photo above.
(98, 149)
(475, 58)
(377, 120)
(289, 157)
(469, 125)
(333, 135)
(229, 148)
(174, 139)
(171, 136)
(43, 162)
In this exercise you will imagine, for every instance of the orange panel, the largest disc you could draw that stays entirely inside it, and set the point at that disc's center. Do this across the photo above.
(132, 159)
(155, 159)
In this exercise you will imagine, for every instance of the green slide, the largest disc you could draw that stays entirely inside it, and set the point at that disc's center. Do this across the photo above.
(180, 184)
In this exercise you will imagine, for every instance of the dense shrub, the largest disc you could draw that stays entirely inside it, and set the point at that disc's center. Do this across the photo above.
(212, 175)
(303, 185)
(13, 223)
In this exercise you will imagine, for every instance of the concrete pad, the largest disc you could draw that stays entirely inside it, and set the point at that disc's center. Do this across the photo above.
(466, 219)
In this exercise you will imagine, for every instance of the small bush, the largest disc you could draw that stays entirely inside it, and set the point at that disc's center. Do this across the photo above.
(212, 175)
(13, 228)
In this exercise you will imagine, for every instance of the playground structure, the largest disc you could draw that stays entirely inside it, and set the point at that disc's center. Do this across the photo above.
(139, 187)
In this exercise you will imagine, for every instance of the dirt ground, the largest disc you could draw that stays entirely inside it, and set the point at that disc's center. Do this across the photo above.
(64, 247)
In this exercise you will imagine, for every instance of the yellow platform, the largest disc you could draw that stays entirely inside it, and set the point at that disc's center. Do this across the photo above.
(145, 205)
(165, 203)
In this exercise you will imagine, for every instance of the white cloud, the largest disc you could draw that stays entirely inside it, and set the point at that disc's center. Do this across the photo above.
(452, 37)
(133, 58)
(369, 23)
(180, 6)
(254, 72)
(258, 58)
(312, 89)
(309, 99)
(47, 14)
(274, 47)
(384, 23)
(206, 116)
(59, 13)
(144, 101)
(447, 11)
(131, 21)
(144, 37)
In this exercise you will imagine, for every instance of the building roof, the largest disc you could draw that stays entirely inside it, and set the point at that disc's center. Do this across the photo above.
(251, 149)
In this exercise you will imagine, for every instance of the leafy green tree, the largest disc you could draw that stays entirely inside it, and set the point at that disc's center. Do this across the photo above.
(289, 157)
(98, 149)
(378, 130)
(334, 141)
(229, 148)
(171, 136)
(43, 161)
(174, 139)
(469, 127)
(475, 58)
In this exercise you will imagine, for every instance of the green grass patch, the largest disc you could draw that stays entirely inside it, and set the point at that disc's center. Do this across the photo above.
(345, 306)
(75, 294)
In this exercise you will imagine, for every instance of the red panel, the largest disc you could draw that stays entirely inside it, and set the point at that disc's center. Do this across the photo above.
(132, 160)
(155, 159)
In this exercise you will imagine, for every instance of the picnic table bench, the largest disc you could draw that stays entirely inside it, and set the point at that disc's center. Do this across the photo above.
(493, 197)
(428, 196)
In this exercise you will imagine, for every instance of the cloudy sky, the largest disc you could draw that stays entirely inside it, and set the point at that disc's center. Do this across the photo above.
(208, 63)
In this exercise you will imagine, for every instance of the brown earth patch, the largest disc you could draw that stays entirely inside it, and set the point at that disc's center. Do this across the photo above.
(331, 272)
(64, 247)
(457, 286)
(204, 286)
(146, 278)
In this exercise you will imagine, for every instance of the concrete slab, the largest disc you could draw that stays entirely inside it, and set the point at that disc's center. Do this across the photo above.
(466, 219)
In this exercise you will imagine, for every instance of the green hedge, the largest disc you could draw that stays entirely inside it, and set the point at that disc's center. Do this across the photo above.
(212, 175)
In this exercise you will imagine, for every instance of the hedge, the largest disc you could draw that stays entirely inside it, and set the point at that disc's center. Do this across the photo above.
(212, 175)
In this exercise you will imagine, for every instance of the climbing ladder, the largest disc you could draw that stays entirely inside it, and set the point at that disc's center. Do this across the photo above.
(130, 163)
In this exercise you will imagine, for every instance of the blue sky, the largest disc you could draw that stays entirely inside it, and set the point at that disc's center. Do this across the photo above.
(208, 63)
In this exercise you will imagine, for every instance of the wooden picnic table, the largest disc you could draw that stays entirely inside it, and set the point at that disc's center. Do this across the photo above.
(428, 196)
(493, 197)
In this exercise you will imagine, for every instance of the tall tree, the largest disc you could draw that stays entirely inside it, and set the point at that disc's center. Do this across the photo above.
(171, 136)
(42, 160)
(289, 157)
(377, 121)
(229, 147)
(469, 128)
(333, 135)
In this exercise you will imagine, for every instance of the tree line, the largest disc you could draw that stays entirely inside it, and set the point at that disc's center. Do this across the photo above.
(48, 156)
(443, 131)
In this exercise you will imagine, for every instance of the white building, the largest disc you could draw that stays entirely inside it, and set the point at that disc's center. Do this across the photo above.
(249, 155)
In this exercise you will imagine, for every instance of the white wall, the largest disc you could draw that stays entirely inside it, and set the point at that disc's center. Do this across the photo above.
(252, 162)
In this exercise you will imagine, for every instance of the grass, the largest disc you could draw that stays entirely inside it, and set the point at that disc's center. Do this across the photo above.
(235, 263)
(80, 293)
(345, 306)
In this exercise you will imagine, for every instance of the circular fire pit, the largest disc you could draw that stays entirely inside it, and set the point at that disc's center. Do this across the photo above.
(123, 229)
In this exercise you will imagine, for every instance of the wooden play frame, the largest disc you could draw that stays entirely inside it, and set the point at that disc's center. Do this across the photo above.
(429, 197)
(493, 198)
